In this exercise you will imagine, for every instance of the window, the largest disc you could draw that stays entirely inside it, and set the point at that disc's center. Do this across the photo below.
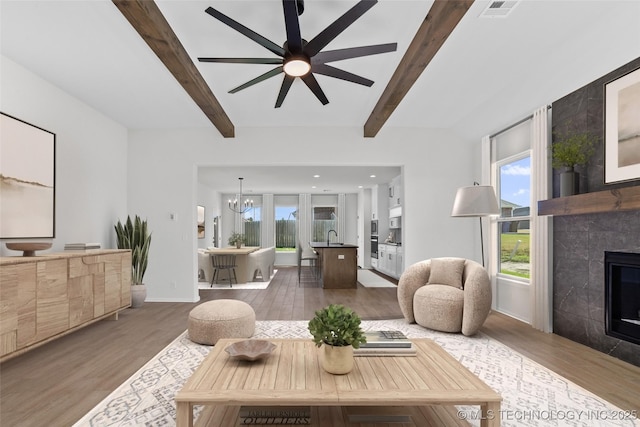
(286, 216)
(252, 222)
(324, 219)
(514, 184)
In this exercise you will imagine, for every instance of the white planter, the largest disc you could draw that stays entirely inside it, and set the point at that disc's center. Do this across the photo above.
(138, 295)
(337, 360)
(569, 183)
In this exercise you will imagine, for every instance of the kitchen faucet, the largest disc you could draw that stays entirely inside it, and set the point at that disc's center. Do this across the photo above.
(328, 233)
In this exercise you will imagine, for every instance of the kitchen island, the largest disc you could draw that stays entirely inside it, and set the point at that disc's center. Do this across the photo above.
(337, 265)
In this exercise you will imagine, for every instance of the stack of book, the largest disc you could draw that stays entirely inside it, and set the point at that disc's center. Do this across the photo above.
(385, 343)
(81, 246)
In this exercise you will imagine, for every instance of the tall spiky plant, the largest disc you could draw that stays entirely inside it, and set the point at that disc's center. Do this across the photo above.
(135, 236)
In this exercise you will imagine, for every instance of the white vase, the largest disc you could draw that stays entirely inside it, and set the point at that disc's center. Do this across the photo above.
(337, 360)
(138, 295)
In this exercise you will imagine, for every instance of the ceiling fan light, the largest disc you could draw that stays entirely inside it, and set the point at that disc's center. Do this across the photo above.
(296, 67)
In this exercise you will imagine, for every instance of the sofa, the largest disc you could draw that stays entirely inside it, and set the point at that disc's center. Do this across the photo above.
(446, 294)
(260, 264)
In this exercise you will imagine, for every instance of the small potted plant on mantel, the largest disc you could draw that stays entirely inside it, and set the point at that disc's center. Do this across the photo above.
(571, 149)
(237, 240)
(134, 235)
(338, 328)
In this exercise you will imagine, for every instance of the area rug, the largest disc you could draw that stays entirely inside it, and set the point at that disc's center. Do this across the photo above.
(369, 279)
(249, 285)
(532, 394)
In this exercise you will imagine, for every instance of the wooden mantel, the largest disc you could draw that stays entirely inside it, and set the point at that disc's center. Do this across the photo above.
(615, 200)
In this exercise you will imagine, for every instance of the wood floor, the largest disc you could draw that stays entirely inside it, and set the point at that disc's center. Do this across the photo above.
(56, 384)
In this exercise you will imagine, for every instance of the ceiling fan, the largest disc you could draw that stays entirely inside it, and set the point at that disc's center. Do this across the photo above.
(301, 58)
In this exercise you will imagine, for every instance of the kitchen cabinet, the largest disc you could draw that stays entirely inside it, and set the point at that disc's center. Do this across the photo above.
(382, 253)
(391, 261)
(337, 264)
(378, 197)
(395, 192)
(388, 260)
(399, 261)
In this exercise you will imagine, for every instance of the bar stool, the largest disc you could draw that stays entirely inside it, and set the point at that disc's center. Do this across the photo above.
(224, 262)
(306, 255)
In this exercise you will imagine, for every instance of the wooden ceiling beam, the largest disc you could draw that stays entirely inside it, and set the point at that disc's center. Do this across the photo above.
(439, 23)
(148, 21)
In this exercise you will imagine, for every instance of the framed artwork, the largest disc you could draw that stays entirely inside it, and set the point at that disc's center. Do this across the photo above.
(622, 128)
(27, 179)
(200, 222)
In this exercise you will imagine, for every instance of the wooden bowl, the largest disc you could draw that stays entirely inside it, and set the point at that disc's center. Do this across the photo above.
(28, 248)
(250, 349)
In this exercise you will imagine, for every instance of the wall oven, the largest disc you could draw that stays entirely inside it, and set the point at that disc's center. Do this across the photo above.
(374, 247)
(374, 227)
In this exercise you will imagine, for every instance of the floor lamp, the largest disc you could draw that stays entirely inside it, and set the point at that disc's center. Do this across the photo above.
(477, 200)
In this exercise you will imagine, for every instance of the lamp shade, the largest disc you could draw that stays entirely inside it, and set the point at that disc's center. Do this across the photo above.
(477, 200)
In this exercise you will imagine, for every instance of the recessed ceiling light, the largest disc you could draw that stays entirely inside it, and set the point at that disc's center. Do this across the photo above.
(316, 176)
(359, 186)
(372, 176)
(313, 186)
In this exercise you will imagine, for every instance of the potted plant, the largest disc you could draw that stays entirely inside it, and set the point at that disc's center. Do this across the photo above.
(338, 328)
(571, 149)
(237, 239)
(135, 236)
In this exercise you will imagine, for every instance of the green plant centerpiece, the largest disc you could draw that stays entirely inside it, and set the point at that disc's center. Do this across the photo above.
(338, 328)
(237, 239)
(135, 235)
(571, 149)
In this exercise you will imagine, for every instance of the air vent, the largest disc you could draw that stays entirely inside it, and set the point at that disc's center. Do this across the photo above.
(499, 9)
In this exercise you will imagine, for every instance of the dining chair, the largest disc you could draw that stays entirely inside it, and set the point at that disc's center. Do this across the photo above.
(224, 262)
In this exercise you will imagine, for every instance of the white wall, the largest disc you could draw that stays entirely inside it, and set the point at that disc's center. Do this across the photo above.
(210, 199)
(163, 180)
(91, 156)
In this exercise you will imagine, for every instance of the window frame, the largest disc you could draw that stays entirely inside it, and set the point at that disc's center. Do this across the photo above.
(499, 220)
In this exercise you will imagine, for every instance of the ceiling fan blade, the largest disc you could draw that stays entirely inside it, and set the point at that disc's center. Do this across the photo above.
(292, 24)
(258, 79)
(312, 83)
(262, 41)
(338, 26)
(243, 60)
(353, 52)
(284, 89)
(330, 71)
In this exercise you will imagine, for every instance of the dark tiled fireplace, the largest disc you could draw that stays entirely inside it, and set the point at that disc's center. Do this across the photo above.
(581, 240)
(622, 295)
(580, 243)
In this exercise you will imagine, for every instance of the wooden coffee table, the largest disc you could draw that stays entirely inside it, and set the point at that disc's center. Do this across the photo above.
(425, 387)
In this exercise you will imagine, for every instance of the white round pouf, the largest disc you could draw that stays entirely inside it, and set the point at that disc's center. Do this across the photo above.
(222, 318)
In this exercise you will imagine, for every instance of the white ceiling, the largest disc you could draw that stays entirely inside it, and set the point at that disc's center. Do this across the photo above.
(296, 179)
(490, 72)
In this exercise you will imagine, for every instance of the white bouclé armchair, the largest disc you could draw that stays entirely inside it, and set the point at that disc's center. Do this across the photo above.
(446, 294)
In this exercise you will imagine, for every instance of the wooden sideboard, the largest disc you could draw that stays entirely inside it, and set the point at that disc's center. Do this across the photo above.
(47, 296)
